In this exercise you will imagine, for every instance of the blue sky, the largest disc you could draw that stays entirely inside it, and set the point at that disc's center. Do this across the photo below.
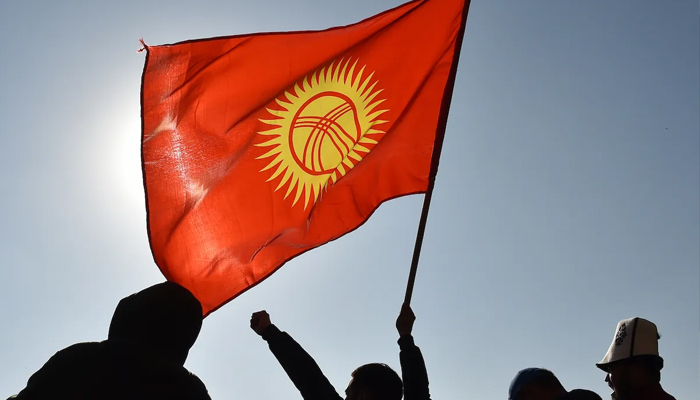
(567, 198)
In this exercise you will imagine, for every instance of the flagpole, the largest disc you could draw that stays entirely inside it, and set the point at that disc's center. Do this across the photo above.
(419, 241)
(435, 159)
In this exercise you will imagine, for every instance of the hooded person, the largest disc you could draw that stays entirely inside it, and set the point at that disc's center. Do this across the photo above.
(143, 357)
(633, 364)
(542, 384)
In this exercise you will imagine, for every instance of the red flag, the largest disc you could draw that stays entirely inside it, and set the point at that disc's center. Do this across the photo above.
(257, 148)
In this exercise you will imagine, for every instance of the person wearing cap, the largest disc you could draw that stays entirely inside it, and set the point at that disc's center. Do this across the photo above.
(633, 364)
(542, 384)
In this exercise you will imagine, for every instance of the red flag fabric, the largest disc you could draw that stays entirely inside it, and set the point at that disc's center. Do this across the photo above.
(257, 148)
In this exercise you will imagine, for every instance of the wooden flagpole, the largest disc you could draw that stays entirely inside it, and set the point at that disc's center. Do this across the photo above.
(435, 160)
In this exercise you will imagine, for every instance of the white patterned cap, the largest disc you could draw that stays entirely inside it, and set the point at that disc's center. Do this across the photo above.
(633, 337)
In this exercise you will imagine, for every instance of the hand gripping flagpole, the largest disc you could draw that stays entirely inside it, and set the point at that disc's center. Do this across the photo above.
(435, 159)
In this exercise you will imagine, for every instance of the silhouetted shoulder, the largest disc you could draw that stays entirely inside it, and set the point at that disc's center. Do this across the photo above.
(64, 369)
(79, 351)
(196, 390)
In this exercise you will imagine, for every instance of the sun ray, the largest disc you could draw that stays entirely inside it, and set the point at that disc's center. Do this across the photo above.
(277, 173)
(270, 153)
(374, 115)
(356, 81)
(360, 148)
(285, 178)
(307, 195)
(336, 74)
(371, 97)
(273, 164)
(368, 92)
(280, 103)
(363, 87)
(329, 73)
(351, 75)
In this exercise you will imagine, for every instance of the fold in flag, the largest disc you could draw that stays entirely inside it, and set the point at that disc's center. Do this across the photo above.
(257, 148)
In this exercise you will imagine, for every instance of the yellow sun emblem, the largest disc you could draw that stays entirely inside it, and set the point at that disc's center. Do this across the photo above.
(322, 130)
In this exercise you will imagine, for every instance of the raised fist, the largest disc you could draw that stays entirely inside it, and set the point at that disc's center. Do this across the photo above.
(404, 323)
(259, 322)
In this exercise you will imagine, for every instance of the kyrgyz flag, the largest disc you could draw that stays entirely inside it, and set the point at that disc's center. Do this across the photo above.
(257, 148)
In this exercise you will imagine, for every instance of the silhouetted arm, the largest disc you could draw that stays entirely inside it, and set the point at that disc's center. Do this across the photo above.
(415, 375)
(299, 366)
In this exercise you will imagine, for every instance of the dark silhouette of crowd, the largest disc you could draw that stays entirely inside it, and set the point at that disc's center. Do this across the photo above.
(152, 331)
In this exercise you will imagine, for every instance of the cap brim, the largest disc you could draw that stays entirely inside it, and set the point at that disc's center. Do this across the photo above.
(603, 366)
(606, 366)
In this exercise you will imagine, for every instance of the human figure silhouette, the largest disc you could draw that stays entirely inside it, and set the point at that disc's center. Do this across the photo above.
(369, 382)
(632, 363)
(143, 357)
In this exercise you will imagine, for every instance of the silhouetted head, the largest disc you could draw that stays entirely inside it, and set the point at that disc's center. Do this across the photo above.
(633, 375)
(161, 323)
(580, 394)
(374, 382)
(535, 384)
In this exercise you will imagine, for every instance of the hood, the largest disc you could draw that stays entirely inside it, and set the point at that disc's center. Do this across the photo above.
(161, 322)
